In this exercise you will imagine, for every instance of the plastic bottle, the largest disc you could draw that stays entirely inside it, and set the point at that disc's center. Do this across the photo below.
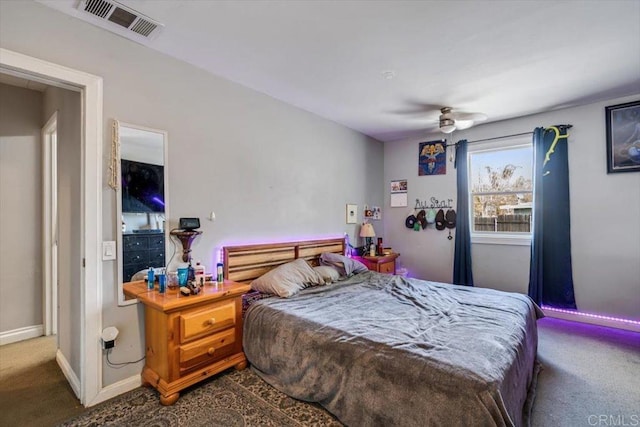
(199, 273)
(219, 270)
(191, 275)
(150, 278)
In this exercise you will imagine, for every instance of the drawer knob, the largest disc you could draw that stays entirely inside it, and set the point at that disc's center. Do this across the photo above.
(211, 351)
(211, 321)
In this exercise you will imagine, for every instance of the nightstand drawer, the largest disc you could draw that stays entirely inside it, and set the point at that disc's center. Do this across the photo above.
(387, 267)
(198, 323)
(207, 350)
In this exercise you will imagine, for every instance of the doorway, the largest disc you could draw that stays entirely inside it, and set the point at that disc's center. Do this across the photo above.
(85, 376)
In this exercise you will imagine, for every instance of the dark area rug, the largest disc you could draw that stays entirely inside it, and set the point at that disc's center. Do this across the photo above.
(231, 399)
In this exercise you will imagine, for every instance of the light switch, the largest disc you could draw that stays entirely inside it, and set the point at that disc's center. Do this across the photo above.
(108, 250)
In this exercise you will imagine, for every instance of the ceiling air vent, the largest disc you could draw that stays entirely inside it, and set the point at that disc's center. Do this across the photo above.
(116, 17)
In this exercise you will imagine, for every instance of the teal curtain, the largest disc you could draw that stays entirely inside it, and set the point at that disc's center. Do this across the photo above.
(462, 274)
(550, 272)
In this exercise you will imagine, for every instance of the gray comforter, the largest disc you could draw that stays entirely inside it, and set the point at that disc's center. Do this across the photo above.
(381, 350)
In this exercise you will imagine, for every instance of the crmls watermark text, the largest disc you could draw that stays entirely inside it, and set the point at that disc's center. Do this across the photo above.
(614, 420)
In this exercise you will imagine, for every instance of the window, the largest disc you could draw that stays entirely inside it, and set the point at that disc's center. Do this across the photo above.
(501, 191)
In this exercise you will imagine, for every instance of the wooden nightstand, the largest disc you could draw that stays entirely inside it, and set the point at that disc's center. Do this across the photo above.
(381, 264)
(189, 338)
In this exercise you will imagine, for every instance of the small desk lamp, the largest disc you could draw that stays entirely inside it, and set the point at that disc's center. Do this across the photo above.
(368, 232)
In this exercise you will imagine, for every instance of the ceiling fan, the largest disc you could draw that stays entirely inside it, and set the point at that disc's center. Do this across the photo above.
(454, 120)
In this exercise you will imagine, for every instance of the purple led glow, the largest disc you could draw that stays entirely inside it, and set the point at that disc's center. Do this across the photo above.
(157, 200)
(594, 316)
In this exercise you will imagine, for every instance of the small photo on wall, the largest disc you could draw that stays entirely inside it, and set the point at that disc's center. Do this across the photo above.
(376, 212)
(432, 158)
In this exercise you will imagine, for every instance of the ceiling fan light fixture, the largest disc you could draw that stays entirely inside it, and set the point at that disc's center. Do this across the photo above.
(447, 125)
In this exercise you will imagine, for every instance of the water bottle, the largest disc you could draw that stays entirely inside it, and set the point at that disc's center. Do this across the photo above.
(150, 278)
(219, 270)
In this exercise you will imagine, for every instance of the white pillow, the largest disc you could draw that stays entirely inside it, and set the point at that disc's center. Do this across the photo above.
(287, 279)
(328, 273)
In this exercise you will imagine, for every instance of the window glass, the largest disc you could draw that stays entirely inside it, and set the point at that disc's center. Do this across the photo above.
(501, 184)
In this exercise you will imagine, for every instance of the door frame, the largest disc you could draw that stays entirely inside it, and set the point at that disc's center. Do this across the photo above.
(90, 87)
(50, 225)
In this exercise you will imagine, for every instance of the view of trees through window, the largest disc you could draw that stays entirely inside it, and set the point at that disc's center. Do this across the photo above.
(501, 183)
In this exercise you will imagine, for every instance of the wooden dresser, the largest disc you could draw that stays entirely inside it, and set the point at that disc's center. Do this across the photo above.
(381, 264)
(189, 338)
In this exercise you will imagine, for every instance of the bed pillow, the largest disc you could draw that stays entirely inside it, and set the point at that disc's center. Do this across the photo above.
(346, 266)
(328, 273)
(287, 279)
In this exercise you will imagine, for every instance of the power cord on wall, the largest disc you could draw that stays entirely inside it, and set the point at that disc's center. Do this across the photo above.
(173, 243)
(123, 364)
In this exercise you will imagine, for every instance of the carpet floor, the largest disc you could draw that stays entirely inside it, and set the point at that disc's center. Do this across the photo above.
(589, 378)
(33, 390)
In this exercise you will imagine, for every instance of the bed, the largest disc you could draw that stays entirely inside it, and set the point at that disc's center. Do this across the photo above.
(383, 350)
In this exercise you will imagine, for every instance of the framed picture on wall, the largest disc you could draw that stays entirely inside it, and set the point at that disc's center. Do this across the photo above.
(432, 158)
(623, 137)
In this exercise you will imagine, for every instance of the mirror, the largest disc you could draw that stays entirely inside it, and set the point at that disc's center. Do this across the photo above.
(141, 201)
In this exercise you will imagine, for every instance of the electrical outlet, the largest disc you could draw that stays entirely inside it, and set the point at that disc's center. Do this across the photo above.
(108, 337)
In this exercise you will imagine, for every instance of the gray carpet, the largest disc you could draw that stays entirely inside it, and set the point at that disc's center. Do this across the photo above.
(590, 377)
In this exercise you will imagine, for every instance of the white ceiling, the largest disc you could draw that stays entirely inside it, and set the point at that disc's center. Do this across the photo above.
(503, 58)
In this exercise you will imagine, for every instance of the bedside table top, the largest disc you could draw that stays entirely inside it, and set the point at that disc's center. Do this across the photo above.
(380, 258)
(174, 300)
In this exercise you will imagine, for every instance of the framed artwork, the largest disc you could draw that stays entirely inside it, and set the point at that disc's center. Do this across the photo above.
(352, 214)
(623, 137)
(432, 158)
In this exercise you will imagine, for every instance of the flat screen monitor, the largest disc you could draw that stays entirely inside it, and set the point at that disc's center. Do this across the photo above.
(142, 187)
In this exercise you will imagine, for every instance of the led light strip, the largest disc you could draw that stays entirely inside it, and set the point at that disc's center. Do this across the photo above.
(594, 316)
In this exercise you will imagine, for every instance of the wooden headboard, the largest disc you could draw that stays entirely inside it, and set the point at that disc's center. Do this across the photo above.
(248, 262)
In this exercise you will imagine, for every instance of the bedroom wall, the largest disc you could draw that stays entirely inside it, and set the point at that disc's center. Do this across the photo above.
(68, 105)
(20, 203)
(270, 171)
(605, 231)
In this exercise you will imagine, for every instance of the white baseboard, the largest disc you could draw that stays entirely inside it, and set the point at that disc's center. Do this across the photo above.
(71, 376)
(610, 323)
(21, 334)
(117, 389)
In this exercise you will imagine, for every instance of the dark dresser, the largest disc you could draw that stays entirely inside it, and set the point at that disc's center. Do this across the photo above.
(142, 249)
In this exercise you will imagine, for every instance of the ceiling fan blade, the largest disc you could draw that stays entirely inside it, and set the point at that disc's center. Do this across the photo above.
(476, 117)
(464, 124)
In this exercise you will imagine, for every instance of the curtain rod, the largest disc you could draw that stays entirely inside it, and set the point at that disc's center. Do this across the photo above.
(508, 136)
